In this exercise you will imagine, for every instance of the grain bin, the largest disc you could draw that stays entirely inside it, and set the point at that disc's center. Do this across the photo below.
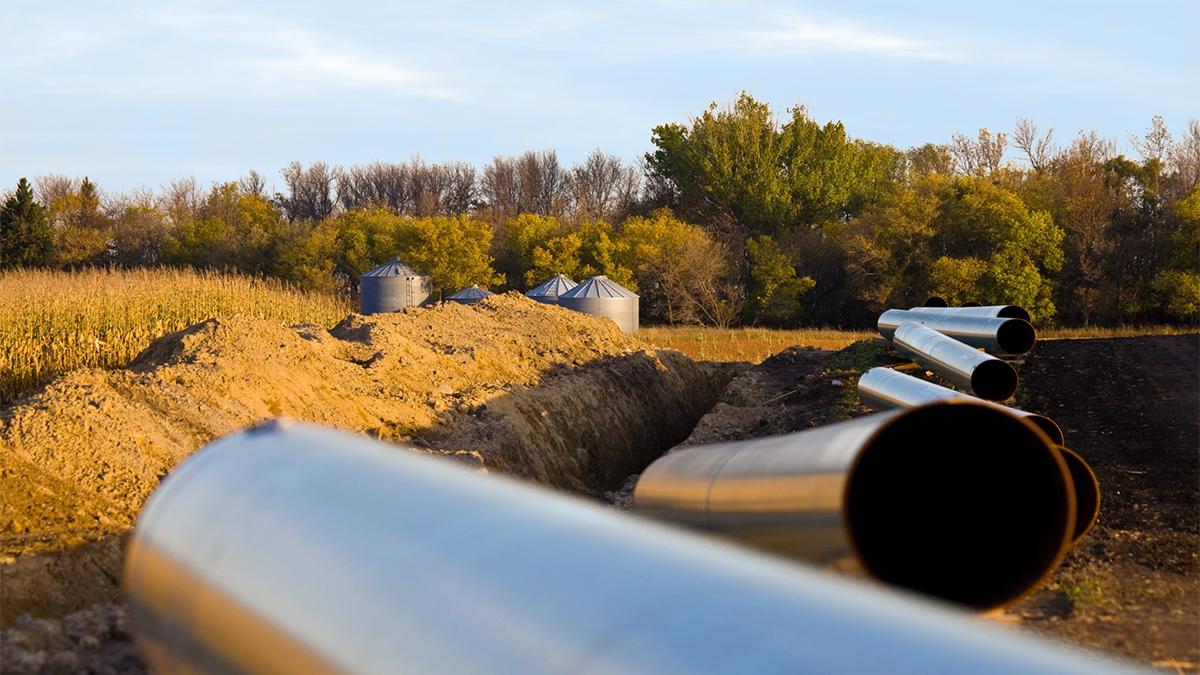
(553, 287)
(602, 296)
(468, 295)
(390, 287)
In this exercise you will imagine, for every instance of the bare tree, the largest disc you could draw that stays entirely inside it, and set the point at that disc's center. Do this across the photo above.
(461, 188)
(928, 159)
(1185, 156)
(309, 191)
(1156, 142)
(500, 187)
(1039, 150)
(533, 182)
(181, 199)
(50, 188)
(253, 183)
(602, 187)
(980, 156)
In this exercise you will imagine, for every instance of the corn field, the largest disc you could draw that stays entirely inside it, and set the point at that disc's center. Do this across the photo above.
(52, 322)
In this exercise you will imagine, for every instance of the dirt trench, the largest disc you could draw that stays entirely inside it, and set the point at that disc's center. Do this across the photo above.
(510, 385)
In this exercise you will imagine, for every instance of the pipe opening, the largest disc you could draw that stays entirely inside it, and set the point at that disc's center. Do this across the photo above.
(1049, 426)
(1016, 336)
(1087, 493)
(972, 303)
(994, 380)
(936, 301)
(977, 522)
(1014, 312)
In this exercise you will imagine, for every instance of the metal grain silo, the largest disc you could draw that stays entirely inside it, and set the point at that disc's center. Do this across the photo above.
(602, 296)
(553, 287)
(468, 295)
(392, 286)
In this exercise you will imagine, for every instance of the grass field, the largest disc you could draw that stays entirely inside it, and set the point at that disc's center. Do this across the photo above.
(756, 344)
(746, 344)
(52, 322)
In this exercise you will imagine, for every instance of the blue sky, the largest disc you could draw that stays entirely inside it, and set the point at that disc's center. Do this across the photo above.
(137, 93)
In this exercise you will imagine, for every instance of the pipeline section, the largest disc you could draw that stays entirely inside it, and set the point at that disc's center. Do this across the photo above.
(980, 311)
(995, 335)
(884, 389)
(987, 376)
(292, 548)
(953, 499)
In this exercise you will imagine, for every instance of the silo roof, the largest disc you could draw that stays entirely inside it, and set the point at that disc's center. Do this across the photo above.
(599, 287)
(472, 292)
(395, 268)
(552, 287)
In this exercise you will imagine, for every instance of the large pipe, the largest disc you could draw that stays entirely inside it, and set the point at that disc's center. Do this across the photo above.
(1087, 493)
(305, 550)
(884, 389)
(983, 311)
(936, 301)
(997, 336)
(987, 376)
(952, 499)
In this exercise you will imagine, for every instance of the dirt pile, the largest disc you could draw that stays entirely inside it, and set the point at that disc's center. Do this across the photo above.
(508, 384)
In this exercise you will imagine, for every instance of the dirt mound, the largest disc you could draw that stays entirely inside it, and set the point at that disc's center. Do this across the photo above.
(555, 396)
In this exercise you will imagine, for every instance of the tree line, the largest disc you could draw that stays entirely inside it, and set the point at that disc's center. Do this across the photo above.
(735, 216)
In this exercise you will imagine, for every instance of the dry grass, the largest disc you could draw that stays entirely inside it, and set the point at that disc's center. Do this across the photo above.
(746, 344)
(52, 322)
(1124, 331)
(756, 344)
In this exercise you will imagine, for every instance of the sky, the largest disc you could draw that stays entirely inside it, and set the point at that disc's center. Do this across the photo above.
(136, 93)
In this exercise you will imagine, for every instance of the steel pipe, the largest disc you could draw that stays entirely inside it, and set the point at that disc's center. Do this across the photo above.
(983, 311)
(1087, 493)
(884, 389)
(997, 336)
(952, 499)
(936, 301)
(987, 376)
(300, 549)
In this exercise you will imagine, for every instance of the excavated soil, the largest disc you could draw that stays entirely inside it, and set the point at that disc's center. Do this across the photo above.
(510, 385)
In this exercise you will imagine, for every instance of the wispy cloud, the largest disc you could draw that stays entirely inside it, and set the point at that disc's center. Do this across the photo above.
(289, 58)
(814, 33)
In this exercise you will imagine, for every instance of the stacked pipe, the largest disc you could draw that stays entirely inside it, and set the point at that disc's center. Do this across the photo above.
(943, 340)
(942, 493)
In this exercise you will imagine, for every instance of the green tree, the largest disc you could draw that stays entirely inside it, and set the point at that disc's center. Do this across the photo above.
(81, 229)
(682, 273)
(983, 221)
(451, 250)
(560, 255)
(25, 236)
(1179, 294)
(515, 241)
(137, 235)
(366, 238)
(776, 288)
